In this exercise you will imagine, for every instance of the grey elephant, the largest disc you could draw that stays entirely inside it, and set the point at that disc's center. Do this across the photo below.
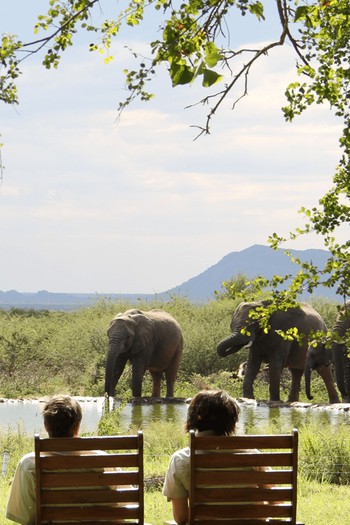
(271, 348)
(319, 355)
(150, 341)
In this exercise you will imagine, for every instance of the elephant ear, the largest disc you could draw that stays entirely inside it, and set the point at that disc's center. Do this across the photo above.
(145, 334)
(128, 325)
(111, 325)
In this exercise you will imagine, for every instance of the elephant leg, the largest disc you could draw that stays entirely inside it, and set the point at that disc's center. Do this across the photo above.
(170, 380)
(341, 361)
(346, 397)
(275, 369)
(295, 386)
(326, 374)
(252, 370)
(346, 361)
(138, 370)
(170, 376)
(157, 379)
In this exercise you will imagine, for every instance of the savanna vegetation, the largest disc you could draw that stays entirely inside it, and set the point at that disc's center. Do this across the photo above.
(44, 352)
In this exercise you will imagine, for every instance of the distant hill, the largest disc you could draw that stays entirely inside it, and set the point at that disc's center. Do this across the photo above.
(253, 261)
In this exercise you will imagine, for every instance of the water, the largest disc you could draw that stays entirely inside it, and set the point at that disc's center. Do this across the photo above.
(25, 415)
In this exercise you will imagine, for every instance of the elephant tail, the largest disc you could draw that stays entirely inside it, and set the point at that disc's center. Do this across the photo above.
(307, 375)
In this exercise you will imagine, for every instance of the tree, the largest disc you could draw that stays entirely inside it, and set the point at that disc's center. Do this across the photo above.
(195, 45)
(238, 284)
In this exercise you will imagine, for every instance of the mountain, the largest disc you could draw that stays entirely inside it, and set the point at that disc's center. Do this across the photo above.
(253, 261)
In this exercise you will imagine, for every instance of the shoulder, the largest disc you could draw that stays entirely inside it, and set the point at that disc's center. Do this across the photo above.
(181, 455)
(27, 462)
(180, 460)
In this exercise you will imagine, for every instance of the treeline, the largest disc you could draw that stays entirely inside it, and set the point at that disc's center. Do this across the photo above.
(42, 352)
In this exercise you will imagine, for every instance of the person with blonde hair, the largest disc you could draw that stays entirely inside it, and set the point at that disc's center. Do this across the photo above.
(62, 417)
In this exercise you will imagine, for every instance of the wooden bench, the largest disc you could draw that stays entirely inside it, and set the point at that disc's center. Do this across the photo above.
(78, 482)
(243, 480)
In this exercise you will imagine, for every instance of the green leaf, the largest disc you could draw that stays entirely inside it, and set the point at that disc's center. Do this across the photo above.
(210, 77)
(257, 9)
(181, 74)
(301, 13)
(212, 54)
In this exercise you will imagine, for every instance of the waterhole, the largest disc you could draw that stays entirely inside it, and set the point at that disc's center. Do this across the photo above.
(25, 415)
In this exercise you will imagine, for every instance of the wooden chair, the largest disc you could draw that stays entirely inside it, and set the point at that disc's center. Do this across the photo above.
(78, 482)
(243, 480)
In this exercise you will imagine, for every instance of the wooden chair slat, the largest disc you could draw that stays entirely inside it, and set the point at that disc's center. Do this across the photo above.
(76, 496)
(249, 494)
(249, 521)
(96, 522)
(224, 478)
(87, 479)
(244, 511)
(234, 460)
(103, 521)
(256, 441)
(109, 443)
(85, 461)
(89, 512)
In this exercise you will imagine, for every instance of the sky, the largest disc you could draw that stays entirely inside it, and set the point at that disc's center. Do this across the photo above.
(90, 203)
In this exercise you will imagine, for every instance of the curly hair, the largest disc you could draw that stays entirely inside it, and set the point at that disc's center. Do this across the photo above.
(213, 410)
(62, 416)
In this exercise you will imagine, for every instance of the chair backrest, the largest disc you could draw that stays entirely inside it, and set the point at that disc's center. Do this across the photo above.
(243, 479)
(77, 481)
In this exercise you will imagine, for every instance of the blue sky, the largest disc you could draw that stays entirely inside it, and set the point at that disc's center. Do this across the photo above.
(91, 205)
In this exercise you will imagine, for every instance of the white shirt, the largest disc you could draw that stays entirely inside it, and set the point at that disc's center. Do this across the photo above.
(21, 503)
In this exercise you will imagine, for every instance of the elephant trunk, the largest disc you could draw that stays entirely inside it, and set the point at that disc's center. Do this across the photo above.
(109, 377)
(231, 344)
(307, 374)
(115, 364)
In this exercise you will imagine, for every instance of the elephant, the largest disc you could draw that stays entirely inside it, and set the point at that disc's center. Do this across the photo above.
(150, 341)
(272, 348)
(319, 355)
